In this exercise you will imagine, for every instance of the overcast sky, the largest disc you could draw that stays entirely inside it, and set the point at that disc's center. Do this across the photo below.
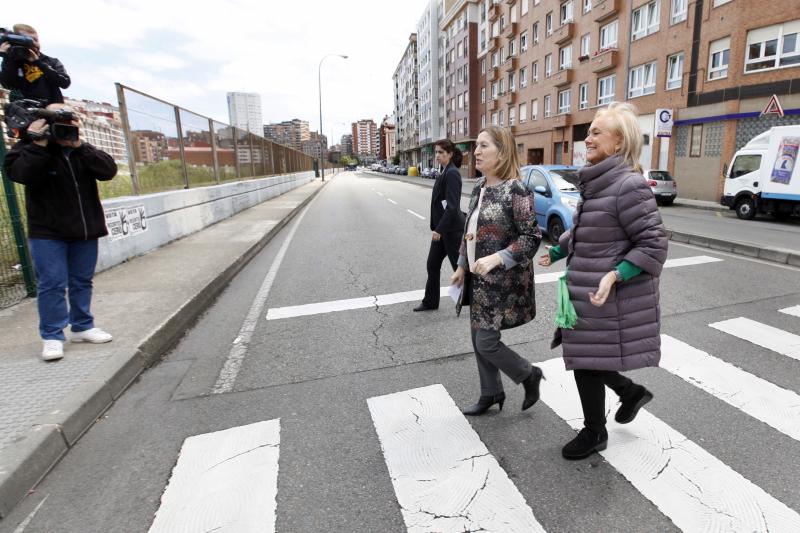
(192, 53)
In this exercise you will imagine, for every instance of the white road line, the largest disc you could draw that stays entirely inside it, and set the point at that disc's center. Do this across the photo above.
(415, 214)
(380, 194)
(774, 339)
(444, 478)
(794, 311)
(759, 398)
(233, 364)
(691, 261)
(25, 523)
(395, 203)
(694, 489)
(410, 296)
(226, 480)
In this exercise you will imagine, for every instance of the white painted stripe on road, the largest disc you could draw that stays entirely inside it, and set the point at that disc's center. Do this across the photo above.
(395, 203)
(233, 364)
(224, 481)
(380, 193)
(691, 261)
(415, 214)
(759, 398)
(694, 489)
(444, 478)
(794, 311)
(774, 339)
(410, 296)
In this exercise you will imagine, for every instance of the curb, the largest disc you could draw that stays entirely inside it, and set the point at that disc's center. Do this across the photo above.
(766, 253)
(25, 463)
(717, 208)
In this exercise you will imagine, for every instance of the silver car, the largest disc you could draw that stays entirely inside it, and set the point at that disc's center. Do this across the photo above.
(664, 186)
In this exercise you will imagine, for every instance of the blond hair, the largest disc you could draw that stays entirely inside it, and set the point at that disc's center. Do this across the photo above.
(23, 27)
(508, 160)
(623, 121)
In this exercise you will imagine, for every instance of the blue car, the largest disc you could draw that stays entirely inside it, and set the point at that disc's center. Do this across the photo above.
(555, 194)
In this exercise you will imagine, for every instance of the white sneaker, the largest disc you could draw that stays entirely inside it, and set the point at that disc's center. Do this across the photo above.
(94, 335)
(53, 350)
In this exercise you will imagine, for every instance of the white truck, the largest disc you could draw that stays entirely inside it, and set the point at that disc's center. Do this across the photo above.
(763, 176)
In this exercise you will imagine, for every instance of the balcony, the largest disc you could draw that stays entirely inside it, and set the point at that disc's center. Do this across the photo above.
(604, 60)
(511, 64)
(564, 77)
(565, 33)
(493, 74)
(513, 96)
(605, 9)
(510, 30)
(494, 12)
(493, 105)
(493, 44)
(562, 121)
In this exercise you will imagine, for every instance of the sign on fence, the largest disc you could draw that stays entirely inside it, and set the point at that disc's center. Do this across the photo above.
(125, 221)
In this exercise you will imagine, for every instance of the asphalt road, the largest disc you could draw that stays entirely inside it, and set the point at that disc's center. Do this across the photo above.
(316, 372)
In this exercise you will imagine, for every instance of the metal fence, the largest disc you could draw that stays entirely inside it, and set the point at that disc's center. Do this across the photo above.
(169, 148)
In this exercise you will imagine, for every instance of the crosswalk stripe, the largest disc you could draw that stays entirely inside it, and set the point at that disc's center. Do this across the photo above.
(690, 486)
(768, 337)
(443, 476)
(794, 311)
(292, 311)
(224, 481)
(764, 401)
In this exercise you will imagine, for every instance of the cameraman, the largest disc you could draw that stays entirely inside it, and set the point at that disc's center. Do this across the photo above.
(40, 78)
(65, 219)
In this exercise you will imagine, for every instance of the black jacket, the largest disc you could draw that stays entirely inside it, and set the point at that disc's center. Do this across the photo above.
(447, 187)
(61, 195)
(41, 80)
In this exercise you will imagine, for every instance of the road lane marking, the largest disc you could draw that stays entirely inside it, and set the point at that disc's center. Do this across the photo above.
(415, 214)
(227, 480)
(395, 203)
(759, 398)
(794, 311)
(443, 476)
(774, 339)
(25, 523)
(694, 489)
(379, 193)
(233, 364)
(276, 313)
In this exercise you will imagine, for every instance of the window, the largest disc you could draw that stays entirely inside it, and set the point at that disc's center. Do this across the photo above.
(512, 48)
(645, 20)
(501, 119)
(608, 35)
(548, 23)
(587, 6)
(718, 58)
(674, 71)
(696, 140)
(535, 31)
(678, 11)
(460, 49)
(535, 71)
(483, 66)
(523, 113)
(773, 47)
(745, 164)
(512, 86)
(547, 106)
(583, 96)
(514, 13)
(605, 89)
(642, 80)
(494, 119)
(523, 77)
(524, 10)
(495, 61)
(494, 91)
(564, 101)
(566, 12)
(565, 57)
(502, 87)
(548, 65)
(523, 41)
(483, 121)
(483, 95)
(461, 101)
(586, 45)
(718, 3)
(512, 115)
(535, 110)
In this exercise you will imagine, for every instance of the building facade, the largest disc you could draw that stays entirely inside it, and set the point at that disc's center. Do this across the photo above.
(386, 134)
(406, 105)
(244, 112)
(101, 127)
(428, 80)
(346, 143)
(292, 133)
(365, 136)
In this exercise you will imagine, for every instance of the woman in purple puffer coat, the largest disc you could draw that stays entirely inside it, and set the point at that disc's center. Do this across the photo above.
(615, 252)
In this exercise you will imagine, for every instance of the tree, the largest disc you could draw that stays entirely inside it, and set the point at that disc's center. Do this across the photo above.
(396, 159)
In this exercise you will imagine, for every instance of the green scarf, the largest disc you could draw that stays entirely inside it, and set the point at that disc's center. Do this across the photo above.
(565, 313)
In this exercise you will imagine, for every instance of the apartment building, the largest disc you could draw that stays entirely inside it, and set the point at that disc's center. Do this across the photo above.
(292, 133)
(365, 137)
(101, 126)
(244, 111)
(428, 80)
(386, 133)
(406, 105)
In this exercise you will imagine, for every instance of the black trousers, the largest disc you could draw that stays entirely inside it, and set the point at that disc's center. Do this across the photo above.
(592, 390)
(448, 247)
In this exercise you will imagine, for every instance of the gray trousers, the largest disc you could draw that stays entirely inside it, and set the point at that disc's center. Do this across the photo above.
(492, 357)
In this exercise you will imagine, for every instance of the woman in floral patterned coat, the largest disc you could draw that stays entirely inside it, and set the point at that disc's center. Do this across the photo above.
(495, 268)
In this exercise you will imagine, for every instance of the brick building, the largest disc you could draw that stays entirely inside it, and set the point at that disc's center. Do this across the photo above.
(365, 137)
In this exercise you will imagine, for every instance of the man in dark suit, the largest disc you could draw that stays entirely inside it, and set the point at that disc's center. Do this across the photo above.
(447, 220)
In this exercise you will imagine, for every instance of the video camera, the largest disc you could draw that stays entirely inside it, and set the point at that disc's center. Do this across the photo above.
(20, 114)
(21, 45)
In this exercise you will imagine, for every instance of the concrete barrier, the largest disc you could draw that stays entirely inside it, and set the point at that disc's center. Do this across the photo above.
(174, 214)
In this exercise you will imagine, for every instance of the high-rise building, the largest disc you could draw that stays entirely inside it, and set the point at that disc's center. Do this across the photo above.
(315, 146)
(292, 133)
(428, 80)
(347, 144)
(406, 108)
(365, 135)
(244, 112)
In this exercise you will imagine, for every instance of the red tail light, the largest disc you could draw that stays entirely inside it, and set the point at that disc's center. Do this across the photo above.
(674, 185)
(652, 183)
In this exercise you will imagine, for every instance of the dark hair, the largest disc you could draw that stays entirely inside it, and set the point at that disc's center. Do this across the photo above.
(448, 146)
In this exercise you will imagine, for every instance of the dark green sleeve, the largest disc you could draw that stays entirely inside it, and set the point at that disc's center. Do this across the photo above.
(628, 270)
(556, 254)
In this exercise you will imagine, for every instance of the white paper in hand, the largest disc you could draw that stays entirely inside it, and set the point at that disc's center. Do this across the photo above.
(444, 204)
(454, 291)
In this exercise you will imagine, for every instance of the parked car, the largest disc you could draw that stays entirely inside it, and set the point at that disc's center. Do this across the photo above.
(351, 167)
(555, 196)
(425, 173)
(664, 186)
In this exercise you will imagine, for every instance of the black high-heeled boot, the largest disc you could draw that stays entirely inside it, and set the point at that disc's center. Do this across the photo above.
(531, 384)
(484, 403)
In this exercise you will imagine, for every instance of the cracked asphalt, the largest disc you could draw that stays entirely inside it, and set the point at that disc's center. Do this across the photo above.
(316, 373)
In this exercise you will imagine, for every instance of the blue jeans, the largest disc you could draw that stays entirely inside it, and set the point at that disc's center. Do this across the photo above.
(62, 265)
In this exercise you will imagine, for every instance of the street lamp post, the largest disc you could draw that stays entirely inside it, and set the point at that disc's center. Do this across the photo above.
(319, 81)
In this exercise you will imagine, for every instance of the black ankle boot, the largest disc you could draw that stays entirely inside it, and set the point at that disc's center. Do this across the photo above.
(585, 444)
(635, 398)
(484, 403)
(531, 384)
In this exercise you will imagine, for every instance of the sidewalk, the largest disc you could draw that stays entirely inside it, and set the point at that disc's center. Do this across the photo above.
(147, 303)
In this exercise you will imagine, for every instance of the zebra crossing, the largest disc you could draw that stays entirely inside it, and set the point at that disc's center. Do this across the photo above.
(446, 479)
